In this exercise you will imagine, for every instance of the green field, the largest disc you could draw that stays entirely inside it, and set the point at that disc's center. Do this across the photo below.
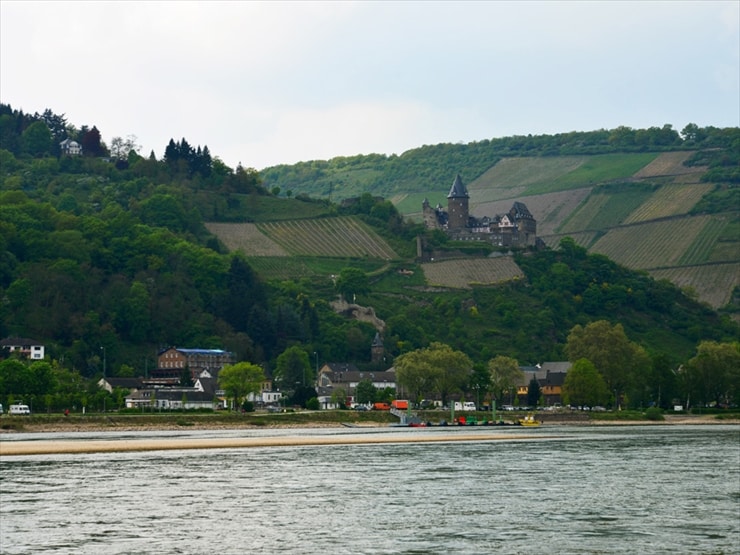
(602, 168)
(606, 207)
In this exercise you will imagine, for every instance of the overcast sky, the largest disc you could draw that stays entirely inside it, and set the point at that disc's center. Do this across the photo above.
(265, 83)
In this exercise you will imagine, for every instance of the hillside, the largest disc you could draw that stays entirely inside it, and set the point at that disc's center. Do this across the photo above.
(107, 257)
(642, 210)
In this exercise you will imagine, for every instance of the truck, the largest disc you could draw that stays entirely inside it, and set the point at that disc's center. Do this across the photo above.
(400, 404)
(381, 406)
(19, 409)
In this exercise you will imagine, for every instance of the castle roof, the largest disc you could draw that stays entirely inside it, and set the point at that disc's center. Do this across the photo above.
(458, 190)
(519, 211)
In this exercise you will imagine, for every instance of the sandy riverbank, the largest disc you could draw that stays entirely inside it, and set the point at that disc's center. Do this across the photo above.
(10, 448)
(37, 447)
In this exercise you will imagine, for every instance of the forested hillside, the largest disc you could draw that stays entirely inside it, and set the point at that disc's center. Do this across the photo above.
(108, 256)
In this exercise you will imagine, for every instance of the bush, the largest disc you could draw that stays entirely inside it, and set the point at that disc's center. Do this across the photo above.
(654, 413)
(312, 404)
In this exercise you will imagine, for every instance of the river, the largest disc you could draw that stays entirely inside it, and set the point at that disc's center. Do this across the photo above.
(571, 490)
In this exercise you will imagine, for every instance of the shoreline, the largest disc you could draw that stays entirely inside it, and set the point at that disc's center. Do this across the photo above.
(51, 447)
(98, 426)
(18, 447)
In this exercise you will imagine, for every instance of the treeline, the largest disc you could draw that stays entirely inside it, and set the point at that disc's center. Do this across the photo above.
(429, 167)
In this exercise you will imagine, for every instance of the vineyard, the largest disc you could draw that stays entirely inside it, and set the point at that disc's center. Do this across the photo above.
(669, 163)
(652, 245)
(246, 238)
(343, 237)
(464, 273)
(607, 206)
(713, 284)
(669, 200)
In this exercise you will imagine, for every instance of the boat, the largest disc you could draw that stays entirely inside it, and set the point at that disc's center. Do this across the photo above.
(529, 420)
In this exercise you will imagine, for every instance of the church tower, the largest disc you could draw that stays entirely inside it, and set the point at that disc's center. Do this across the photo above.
(376, 349)
(457, 205)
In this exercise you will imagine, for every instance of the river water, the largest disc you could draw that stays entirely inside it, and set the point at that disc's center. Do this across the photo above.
(569, 490)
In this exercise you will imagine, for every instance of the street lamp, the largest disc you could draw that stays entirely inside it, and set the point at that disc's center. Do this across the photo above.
(104, 360)
(316, 356)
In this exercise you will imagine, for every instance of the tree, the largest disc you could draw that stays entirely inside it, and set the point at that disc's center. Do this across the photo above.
(240, 379)
(505, 375)
(351, 282)
(584, 386)
(92, 144)
(438, 368)
(713, 375)
(121, 148)
(293, 369)
(365, 392)
(36, 139)
(619, 361)
(533, 392)
(415, 374)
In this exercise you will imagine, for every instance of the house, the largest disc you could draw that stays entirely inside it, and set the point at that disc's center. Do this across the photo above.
(171, 398)
(68, 147)
(109, 384)
(28, 348)
(172, 361)
(335, 376)
(515, 228)
(550, 376)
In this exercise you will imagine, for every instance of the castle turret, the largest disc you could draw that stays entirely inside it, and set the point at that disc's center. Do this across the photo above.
(457, 205)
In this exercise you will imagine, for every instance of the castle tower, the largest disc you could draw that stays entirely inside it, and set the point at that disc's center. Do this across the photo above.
(457, 205)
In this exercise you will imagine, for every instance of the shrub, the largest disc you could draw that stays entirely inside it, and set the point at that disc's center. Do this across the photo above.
(654, 413)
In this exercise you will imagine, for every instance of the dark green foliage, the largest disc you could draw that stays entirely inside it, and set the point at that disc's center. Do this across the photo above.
(654, 413)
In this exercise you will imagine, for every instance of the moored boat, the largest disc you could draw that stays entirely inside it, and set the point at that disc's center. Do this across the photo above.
(529, 420)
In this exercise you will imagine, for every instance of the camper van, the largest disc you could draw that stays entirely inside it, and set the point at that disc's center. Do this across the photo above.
(19, 409)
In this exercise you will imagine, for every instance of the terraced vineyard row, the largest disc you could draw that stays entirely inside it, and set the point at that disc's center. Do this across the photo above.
(344, 237)
(461, 274)
(246, 238)
(669, 200)
(701, 247)
(653, 244)
(712, 283)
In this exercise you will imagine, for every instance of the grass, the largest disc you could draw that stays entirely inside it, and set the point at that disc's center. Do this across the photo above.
(596, 169)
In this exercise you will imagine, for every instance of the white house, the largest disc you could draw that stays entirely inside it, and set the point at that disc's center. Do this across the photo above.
(70, 147)
(26, 347)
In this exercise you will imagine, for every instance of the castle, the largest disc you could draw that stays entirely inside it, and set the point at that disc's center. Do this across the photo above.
(515, 228)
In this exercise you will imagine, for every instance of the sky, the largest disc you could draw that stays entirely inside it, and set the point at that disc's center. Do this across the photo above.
(267, 83)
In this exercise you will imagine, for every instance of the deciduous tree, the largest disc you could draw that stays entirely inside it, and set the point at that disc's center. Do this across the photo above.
(505, 375)
(436, 368)
(713, 375)
(240, 379)
(584, 385)
(619, 361)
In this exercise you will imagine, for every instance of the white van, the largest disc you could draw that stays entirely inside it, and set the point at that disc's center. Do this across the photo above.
(19, 409)
(466, 406)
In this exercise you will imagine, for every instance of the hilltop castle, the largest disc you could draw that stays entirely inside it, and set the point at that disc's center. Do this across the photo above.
(515, 228)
